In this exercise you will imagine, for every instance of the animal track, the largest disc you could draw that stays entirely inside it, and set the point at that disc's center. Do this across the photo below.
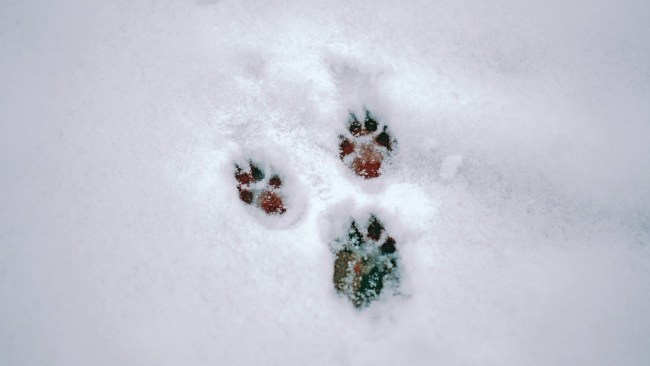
(366, 149)
(365, 264)
(253, 189)
(363, 267)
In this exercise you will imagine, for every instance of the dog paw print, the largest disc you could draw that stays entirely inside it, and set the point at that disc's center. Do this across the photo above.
(365, 264)
(365, 149)
(255, 189)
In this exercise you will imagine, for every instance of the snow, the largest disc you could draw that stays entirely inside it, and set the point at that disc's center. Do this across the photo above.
(450, 166)
(518, 193)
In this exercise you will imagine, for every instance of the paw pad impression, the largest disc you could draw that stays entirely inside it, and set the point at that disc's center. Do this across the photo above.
(365, 264)
(254, 189)
(367, 148)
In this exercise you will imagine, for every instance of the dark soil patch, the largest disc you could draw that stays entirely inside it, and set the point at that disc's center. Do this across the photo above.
(365, 264)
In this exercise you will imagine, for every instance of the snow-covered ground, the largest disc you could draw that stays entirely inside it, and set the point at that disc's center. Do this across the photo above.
(519, 193)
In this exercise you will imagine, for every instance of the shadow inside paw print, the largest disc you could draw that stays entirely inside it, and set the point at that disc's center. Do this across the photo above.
(363, 266)
(254, 189)
(366, 148)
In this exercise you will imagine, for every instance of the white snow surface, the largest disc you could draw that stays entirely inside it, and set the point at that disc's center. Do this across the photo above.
(123, 240)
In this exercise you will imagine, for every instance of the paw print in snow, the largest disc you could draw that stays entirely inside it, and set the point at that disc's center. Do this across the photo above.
(253, 189)
(363, 266)
(366, 149)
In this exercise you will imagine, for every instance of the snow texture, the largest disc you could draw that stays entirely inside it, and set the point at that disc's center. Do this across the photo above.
(450, 166)
(518, 192)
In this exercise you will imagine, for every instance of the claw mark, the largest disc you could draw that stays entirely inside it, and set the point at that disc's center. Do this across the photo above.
(346, 147)
(354, 127)
(388, 246)
(383, 139)
(374, 229)
(370, 123)
(275, 182)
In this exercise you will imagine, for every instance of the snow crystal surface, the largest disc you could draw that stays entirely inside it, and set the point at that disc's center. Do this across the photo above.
(518, 192)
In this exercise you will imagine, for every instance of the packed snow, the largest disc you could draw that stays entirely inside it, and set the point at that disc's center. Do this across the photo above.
(517, 192)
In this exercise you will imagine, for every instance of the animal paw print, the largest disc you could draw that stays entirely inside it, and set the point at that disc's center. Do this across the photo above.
(363, 266)
(253, 189)
(366, 149)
